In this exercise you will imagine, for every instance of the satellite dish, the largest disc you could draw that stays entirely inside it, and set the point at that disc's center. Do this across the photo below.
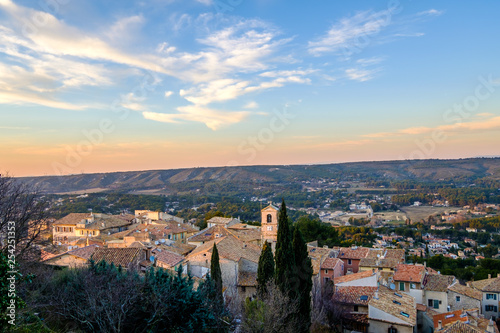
(162, 240)
(392, 286)
(152, 258)
(156, 242)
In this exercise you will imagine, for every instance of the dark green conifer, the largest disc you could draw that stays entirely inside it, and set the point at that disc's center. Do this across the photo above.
(265, 271)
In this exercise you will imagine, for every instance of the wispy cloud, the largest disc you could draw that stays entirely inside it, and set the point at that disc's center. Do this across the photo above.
(492, 122)
(431, 12)
(360, 74)
(213, 119)
(345, 35)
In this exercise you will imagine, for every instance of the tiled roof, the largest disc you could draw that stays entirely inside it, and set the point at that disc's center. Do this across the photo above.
(409, 273)
(209, 234)
(166, 257)
(72, 218)
(270, 206)
(438, 282)
(353, 295)
(449, 317)
(421, 307)
(318, 255)
(118, 256)
(353, 253)
(379, 263)
(230, 248)
(460, 327)
(467, 291)
(107, 222)
(84, 252)
(247, 279)
(247, 235)
(352, 277)
(330, 263)
(395, 305)
(492, 284)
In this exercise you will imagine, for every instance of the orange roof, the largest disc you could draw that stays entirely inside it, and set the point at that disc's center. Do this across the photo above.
(353, 253)
(352, 277)
(354, 295)
(409, 273)
(330, 263)
(449, 317)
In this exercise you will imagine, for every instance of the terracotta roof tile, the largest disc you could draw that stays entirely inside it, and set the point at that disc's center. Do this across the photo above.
(166, 257)
(492, 284)
(352, 277)
(354, 295)
(467, 291)
(72, 218)
(353, 253)
(330, 263)
(409, 273)
(84, 252)
(396, 304)
(231, 248)
(438, 282)
(118, 256)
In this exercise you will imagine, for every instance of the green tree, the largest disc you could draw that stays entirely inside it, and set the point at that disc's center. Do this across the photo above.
(303, 278)
(216, 277)
(285, 261)
(265, 271)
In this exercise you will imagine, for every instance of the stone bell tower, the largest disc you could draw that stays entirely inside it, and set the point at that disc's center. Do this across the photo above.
(269, 225)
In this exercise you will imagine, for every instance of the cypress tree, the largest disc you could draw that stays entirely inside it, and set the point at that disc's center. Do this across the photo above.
(265, 271)
(303, 276)
(285, 261)
(216, 276)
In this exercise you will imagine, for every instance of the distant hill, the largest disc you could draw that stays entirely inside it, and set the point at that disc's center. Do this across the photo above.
(174, 180)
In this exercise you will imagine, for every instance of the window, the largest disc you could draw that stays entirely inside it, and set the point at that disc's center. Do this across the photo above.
(491, 308)
(356, 308)
(349, 261)
(413, 286)
(491, 296)
(270, 228)
(436, 304)
(269, 218)
(402, 286)
(326, 271)
(243, 289)
(326, 280)
(429, 303)
(457, 298)
(349, 271)
(392, 330)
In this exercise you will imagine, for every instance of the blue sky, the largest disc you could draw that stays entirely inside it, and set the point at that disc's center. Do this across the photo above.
(127, 85)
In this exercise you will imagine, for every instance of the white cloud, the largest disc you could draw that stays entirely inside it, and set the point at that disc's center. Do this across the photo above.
(251, 105)
(360, 74)
(213, 119)
(431, 12)
(168, 93)
(345, 36)
(57, 56)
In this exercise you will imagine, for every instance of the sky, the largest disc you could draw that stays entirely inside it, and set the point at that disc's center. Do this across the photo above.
(103, 86)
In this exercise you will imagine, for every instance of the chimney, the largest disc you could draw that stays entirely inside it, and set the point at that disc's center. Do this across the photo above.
(425, 263)
(498, 275)
(489, 276)
(440, 325)
(468, 284)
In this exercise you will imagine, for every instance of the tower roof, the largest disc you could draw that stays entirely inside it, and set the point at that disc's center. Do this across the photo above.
(270, 206)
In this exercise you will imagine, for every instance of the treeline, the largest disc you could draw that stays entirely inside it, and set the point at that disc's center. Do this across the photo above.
(454, 196)
(109, 203)
(463, 269)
